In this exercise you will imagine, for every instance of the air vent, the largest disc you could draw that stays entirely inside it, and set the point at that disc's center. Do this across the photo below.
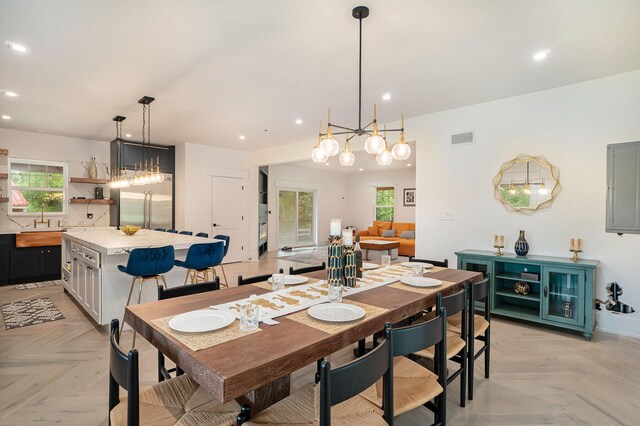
(462, 138)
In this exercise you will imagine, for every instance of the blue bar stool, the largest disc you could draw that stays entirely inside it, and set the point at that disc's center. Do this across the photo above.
(147, 264)
(202, 234)
(172, 231)
(185, 233)
(200, 258)
(227, 241)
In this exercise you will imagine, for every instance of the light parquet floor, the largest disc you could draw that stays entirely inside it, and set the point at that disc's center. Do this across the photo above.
(57, 373)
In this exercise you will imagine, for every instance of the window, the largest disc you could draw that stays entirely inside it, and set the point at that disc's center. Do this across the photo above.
(295, 218)
(37, 185)
(385, 202)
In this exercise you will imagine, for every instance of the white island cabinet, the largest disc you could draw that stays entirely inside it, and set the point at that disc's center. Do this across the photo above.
(90, 272)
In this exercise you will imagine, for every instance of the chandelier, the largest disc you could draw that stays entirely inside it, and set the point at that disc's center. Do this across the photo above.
(328, 146)
(143, 175)
(527, 185)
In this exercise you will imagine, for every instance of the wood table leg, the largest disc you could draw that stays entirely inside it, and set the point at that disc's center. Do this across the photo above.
(267, 395)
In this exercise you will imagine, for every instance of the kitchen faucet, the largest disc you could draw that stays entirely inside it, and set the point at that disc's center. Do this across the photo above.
(36, 222)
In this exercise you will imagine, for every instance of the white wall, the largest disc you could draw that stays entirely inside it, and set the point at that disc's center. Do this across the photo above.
(362, 195)
(331, 197)
(77, 153)
(195, 167)
(571, 126)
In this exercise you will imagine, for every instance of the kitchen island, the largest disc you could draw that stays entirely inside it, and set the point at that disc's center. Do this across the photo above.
(90, 272)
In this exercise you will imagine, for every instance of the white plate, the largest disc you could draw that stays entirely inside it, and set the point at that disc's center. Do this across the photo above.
(410, 264)
(367, 266)
(336, 312)
(292, 279)
(420, 281)
(203, 320)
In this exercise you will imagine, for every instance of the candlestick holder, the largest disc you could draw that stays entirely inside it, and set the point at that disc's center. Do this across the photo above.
(498, 251)
(575, 252)
(349, 266)
(334, 268)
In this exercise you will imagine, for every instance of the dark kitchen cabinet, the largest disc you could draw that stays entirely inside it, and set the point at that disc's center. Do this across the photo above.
(5, 250)
(33, 264)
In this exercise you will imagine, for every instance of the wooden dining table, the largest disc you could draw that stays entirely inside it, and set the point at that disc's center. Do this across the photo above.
(255, 369)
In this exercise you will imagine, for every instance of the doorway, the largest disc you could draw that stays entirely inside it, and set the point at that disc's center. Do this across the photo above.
(296, 218)
(227, 214)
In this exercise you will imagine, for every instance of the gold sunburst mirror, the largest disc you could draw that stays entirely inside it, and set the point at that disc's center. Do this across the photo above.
(527, 183)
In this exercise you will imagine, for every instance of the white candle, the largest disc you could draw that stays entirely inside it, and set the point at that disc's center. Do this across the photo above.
(336, 227)
(347, 237)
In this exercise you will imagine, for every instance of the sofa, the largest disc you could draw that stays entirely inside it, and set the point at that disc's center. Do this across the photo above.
(375, 231)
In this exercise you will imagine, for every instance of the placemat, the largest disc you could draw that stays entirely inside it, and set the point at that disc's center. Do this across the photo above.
(332, 328)
(421, 290)
(267, 285)
(207, 339)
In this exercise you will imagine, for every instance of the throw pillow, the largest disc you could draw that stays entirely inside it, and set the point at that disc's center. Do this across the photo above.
(389, 233)
(373, 230)
(411, 235)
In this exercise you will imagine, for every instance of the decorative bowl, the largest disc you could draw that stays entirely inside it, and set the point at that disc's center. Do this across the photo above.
(129, 229)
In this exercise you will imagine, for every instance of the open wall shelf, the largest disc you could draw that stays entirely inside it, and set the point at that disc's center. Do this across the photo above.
(87, 180)
(89, 201)
(4, 199)
(4, 176)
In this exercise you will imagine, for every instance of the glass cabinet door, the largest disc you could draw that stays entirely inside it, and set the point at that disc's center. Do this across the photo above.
(563, 295)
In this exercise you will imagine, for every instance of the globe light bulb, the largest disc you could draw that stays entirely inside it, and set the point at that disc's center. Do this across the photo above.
(527, 189)
(347, 158)
(384, 158)
(542, 190)
(401, 151)
(374, 144)
(319, 155)
(512, 190)
(330, 146)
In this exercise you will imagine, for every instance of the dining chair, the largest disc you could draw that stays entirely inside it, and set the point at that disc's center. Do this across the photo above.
(179, 400)
(479, 328)
(172, 231)
(256, 279)
(413, 384)
(170, 293)
(456, 348)
(442, 263)
(307, 269)
(339, 394)
(146, 264)
(200, 258)
(202, 234)
(159, 229)
(185, 232)
(227, 243)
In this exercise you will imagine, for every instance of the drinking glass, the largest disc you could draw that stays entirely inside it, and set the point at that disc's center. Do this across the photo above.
(418, 270)
(277, 282)
(249, 317)
(385, 259)
(335, 292)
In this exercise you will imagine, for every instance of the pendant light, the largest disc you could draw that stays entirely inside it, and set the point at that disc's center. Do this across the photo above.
(374, 144)
(329, 143)
(319, 155)
(347, 158)
(512, 188)
(401, 150)
(542, 189)
(384, 158)
(118, 177)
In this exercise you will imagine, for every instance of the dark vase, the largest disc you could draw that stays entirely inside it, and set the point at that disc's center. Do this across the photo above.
(522, 246)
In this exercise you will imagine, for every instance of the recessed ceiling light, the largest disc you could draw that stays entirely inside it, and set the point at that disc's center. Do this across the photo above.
(361, 169)
(17, 47)
(409, 165)
(541, 55)
(10, 93)
(128, 135)
(6, 117)
(326, 164)
(386, 96)
(242, 137)
(298, 121)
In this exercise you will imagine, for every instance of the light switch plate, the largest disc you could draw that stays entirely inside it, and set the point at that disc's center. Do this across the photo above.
(446, 216)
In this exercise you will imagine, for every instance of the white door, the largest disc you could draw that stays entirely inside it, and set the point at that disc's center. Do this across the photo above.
(227, 210)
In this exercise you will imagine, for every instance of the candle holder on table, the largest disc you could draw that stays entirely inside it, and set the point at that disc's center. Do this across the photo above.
(334, 268)
(349, 266)
(575, 246)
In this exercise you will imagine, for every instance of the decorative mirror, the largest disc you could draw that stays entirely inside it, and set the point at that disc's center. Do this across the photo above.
(526, 183)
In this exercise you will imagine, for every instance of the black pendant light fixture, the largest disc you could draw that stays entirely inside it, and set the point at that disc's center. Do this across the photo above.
(327, 145)
(118, 177)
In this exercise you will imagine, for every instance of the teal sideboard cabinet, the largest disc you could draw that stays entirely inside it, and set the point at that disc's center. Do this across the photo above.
(562, 292)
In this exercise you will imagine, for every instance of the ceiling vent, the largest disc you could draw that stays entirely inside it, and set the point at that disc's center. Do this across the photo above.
(462, 138)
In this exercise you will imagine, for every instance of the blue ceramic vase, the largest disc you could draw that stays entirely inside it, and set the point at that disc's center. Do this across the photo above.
(522, 246)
